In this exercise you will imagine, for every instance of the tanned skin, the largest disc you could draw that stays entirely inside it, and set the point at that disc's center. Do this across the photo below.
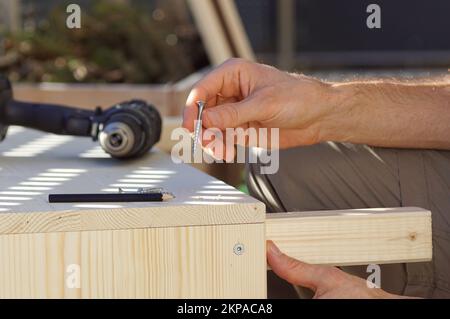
(307, 111)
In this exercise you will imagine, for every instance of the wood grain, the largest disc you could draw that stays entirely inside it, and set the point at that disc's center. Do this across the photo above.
(176, 249)
(354, 237)
(35, 164)
(172, 262)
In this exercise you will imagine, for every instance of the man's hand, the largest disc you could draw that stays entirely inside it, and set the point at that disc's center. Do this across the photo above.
(326, 282)
(244, 94)
(307, 111)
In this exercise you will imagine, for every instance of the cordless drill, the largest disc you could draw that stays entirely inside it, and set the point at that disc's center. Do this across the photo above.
(125, 130)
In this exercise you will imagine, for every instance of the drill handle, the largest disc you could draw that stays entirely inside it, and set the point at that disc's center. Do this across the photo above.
(50, 118)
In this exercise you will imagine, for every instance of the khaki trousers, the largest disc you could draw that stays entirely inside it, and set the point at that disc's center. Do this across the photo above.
(344, 176)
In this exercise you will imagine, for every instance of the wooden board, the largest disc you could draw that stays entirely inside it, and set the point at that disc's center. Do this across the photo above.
(185, 248)
(34, 164)
(211, 31)
(235, 29)
(354, 237)
(169, 99)
(221, 29)
(171, 262)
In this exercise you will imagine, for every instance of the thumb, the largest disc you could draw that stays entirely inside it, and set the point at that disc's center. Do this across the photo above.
(292, 270)
(230, 115)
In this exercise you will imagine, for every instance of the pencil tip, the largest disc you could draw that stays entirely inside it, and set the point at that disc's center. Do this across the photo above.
(168, 196)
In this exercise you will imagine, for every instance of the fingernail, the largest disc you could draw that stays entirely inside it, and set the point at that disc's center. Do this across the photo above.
(273, 248)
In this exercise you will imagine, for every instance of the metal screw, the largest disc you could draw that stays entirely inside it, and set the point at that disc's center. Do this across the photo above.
(239, 249)
(198, 126)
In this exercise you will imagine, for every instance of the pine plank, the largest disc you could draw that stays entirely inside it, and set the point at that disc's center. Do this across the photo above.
(354, 237)
(170, 262)
(34, 164)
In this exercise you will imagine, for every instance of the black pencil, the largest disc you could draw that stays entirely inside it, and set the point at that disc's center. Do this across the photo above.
(102, 198)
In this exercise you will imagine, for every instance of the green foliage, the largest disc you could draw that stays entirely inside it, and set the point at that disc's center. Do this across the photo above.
(116, 43)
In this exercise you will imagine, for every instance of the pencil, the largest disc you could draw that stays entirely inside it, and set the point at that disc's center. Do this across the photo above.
(102, 198)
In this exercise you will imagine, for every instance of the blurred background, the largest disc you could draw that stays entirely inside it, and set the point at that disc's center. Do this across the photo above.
(138, 41)
(119, 42)
(333, 34)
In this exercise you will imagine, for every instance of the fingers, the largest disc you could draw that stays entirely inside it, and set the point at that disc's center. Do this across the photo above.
(232, 115)
(223, 83)
(292, 270)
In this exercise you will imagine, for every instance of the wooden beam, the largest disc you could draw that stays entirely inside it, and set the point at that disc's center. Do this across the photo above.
(11, 13)
(236, 29)
(211, 31)
(89, 96)
(221, 29)
(353, 237)
(169, 99)
(286, 34)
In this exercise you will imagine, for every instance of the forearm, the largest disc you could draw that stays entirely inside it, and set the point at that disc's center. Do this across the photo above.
(389, 114)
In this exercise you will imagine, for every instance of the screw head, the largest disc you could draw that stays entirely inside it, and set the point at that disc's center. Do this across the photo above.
(239, 249)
